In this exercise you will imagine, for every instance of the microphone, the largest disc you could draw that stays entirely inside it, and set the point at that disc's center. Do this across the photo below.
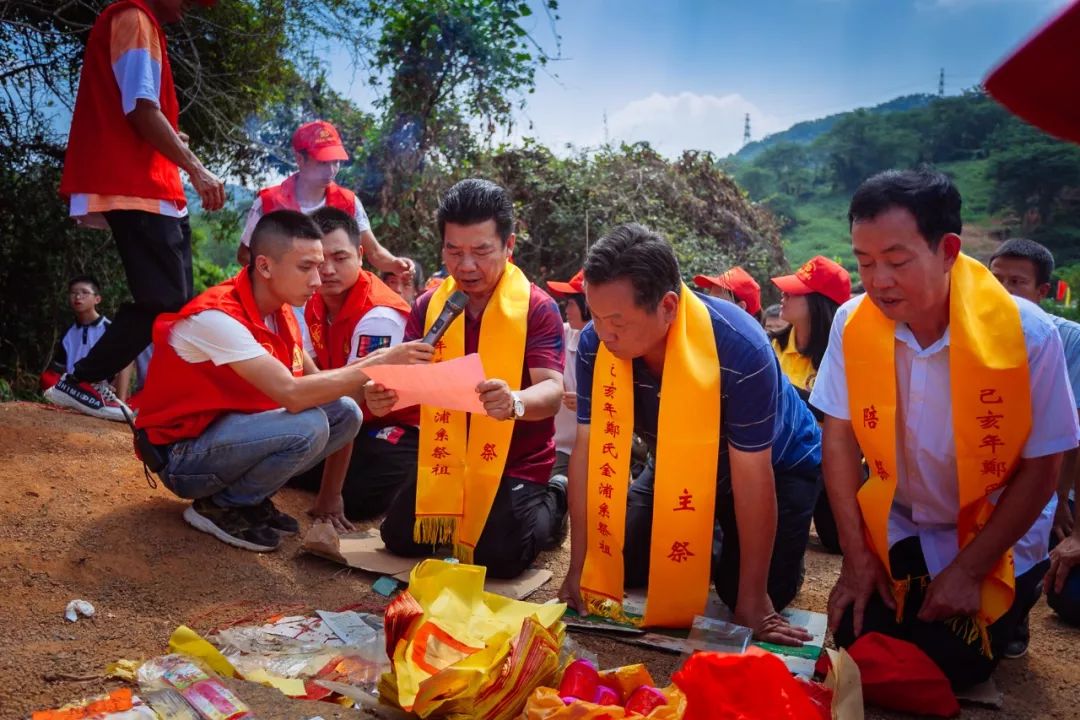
(455, 304)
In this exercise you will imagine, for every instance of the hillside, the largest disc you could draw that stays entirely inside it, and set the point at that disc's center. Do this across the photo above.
(1014, 179)
(809, 130)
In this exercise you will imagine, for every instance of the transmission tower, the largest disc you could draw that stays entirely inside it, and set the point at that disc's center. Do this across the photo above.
(746, 130)
(941, 83)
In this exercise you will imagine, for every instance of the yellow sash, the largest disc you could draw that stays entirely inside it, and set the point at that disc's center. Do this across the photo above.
(991, 404)
(461, 459)
(684, 498)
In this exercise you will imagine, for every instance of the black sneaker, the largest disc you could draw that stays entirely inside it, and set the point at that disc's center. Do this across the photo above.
(559, 486)
(233, 526)
(266, 513)
(1018, 646)
(95, 399)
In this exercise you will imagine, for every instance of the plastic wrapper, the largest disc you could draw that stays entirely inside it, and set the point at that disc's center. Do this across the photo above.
(715, 635)
(205, 694)
(307, 648)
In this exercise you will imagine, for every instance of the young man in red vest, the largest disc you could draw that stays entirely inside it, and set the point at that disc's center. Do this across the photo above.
(233, 403)
(121, 171)
(351, 316)
(319, 154)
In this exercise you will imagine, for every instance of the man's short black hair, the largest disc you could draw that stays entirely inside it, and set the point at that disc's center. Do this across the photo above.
(274, 233)
(474, 201)
(330, 219)
(86, 280)
(1025, 249)
(638, 254)
(930, 196)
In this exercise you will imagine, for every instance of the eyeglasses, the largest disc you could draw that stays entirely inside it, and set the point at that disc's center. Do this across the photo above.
(81, 293)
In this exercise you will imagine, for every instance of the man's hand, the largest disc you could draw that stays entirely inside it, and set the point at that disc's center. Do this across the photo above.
(570, 592)
(210, 188)
(1063, 559)
(861, 575)
(406, 268)
(497, 399)
(409, 353)
(569, 401)
(184, 137)
(379, 398)
(956, 591)
(767, 624)
(1063, 520)
(332, 510)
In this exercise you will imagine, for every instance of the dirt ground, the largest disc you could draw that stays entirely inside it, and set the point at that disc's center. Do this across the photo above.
(77, 520)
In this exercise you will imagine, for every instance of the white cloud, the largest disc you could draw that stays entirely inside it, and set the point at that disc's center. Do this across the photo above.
(688, 121)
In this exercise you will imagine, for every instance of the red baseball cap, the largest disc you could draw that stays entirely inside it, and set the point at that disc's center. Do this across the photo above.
(821, 275)
(739, 283)
(575, 286)
(320, 140)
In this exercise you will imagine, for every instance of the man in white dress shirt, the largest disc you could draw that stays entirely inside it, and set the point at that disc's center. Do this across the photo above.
(905, 235)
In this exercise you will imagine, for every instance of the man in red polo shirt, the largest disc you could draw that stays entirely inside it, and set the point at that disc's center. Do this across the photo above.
(233, 406)
(319, 153)
(527, 512)
(121, 171)
(352, 315)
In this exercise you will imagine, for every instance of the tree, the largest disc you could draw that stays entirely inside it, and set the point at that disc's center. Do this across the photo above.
(447, 65)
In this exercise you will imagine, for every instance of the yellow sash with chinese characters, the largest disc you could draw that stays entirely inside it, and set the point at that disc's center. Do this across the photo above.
(991, 408)
(684, 497)
(461, 458)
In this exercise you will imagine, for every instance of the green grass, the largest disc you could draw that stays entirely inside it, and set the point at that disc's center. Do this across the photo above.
(822, 229)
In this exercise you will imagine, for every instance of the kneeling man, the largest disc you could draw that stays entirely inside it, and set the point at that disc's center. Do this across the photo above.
(233, 404)
(482, 481)
(957, 395)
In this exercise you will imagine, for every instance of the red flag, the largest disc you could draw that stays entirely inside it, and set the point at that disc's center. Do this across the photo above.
(1036, 82)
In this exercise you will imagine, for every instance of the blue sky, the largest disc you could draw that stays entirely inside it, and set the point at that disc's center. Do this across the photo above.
(682, 74)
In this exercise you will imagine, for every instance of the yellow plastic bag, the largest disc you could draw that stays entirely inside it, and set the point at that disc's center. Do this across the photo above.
(457, 650)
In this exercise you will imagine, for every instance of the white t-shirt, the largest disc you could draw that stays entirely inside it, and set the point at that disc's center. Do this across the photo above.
(927, 496)
(216, 336)
(380, 327)
(256, 212)
(566, 420)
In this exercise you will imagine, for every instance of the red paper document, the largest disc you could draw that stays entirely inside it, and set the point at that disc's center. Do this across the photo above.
(451, 384)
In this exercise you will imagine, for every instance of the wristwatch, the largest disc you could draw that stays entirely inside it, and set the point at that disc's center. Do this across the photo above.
(519, 406)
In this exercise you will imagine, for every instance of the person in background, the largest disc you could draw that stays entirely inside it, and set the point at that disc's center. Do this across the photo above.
(399, 282)
(773, 323)
(353, 315)
(737, 286)
(84, 296)
(1025, 267)
(572, 293)
(809, 299)
(122, 172)
(319, 152)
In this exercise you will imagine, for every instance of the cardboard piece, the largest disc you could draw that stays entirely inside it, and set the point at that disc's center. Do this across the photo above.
(799, 660)
(365, 551)
(985, 693)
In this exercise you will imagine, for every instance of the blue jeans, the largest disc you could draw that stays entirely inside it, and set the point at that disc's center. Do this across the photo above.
(242, 459)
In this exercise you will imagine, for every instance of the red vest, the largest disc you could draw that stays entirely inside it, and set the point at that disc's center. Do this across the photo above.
(333, 340)
(105, 155)
(283, 197)
(180, 398)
